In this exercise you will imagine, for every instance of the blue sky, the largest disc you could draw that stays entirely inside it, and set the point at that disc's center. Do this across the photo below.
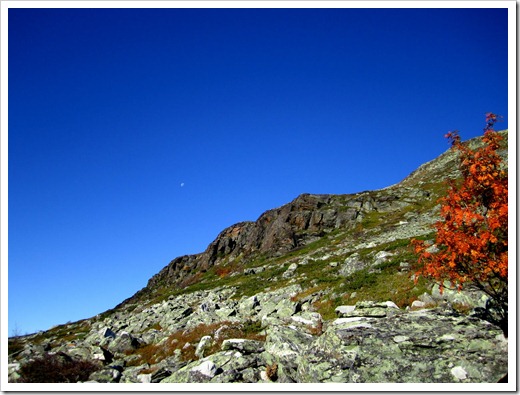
(137, 135)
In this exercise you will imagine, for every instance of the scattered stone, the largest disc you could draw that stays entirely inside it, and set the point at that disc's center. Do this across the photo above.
(160, 374)
(368, 342)
(427, 299)
(290, 270)
(145, 378)
(351, 265)
(204, 344)
(124, 343)
(366, 309)
(206, 368)
(12, 369)
(404, 267)
(382, 256)
(433, 249)
(286, 341)
(459, 373)
(471, 298)
(391, 304)
(109, 374)
(245, 346)
(344, 311)
(254, 270)
(108, 333)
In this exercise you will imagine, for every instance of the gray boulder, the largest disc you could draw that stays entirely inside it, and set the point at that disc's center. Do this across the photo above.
(467, 297)
(223, 366)
(12, 371)
(417, 346)
(109, 374)
(125, 342)
(107, 333)
(206, 368)
(352, 264)
(245, 346)
(204, 344)
(367, 309)
(308, 321)
(286, 342)
(290, 270)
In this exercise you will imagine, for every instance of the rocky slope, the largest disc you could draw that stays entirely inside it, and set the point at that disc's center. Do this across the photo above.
(318, 290)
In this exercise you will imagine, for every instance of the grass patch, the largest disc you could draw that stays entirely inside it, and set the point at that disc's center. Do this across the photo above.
(389, 285)
(307, 292)
(326, 308)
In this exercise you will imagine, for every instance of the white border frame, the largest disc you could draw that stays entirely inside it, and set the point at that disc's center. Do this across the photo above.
(298, 387)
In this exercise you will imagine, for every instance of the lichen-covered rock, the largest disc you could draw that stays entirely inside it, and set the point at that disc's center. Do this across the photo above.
(223, 366)
(204, 343)
(367, 309)
(245, 346)
(416, 346)
(13, 369)
(133, 375)
(352, 264)
(470, 298)
(206, 368)
(290, 270)
(286, 341)
(125, 342)
(109, 374)
(308, 321)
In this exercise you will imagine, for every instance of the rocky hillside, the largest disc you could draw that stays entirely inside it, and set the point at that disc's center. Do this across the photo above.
(318, 290)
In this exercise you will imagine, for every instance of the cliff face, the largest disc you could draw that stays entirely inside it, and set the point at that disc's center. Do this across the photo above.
(277, 231)
(318, 290)
(310, 217)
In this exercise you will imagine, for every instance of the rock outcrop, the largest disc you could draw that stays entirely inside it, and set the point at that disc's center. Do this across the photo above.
(277, 231)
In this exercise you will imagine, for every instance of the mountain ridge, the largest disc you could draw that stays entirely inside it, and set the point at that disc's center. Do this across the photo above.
(315, 290)
(231, 238)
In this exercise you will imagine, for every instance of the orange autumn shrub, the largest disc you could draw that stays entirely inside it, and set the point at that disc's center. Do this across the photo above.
(471, 240)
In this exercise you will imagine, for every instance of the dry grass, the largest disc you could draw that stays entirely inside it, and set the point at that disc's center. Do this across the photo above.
(308, 292)
(326, 308)
(223, 271)
(186, 341)
(229, 268)
(272, 371)
(316, 330)
(462, 308)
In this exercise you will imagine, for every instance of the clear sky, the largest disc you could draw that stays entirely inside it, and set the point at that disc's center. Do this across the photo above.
(137, 135)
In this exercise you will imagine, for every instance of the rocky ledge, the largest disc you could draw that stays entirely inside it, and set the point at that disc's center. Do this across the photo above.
(367, 342)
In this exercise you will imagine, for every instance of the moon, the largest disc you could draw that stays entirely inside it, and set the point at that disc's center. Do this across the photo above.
(182, 184)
